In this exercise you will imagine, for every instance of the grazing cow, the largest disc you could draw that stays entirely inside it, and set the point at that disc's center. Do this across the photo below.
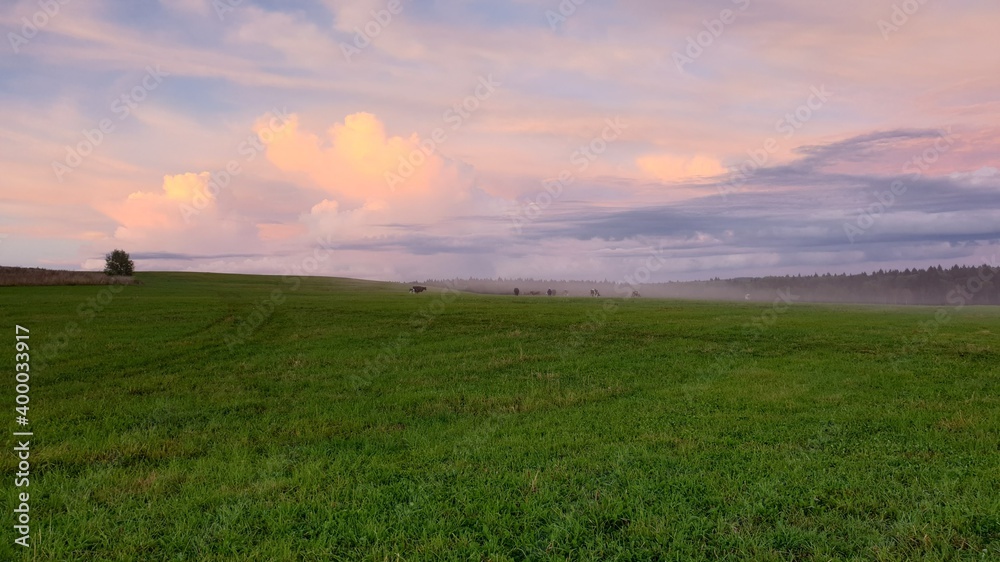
(417, 289)
(635, 294)
(517, 291)
(595, 293)
(550, 292)
(534, 293)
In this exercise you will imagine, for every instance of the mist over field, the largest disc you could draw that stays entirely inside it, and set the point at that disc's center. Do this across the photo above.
(957, 286)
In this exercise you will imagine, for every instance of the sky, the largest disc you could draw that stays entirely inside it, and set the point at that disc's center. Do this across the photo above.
(404, 140)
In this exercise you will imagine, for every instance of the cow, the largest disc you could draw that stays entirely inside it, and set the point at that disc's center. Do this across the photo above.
(517, 291)
(595, 293)
(635, 294)
(417, 289)
(565, 293)
(534, 293)
(550, 292)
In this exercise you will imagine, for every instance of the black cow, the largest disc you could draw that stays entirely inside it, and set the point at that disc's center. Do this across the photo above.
(517, 291)
(417, 289)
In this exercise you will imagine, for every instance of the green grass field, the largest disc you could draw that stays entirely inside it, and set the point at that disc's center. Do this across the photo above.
(495, 428)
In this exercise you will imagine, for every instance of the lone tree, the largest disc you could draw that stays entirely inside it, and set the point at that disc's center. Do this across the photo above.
(118, 263)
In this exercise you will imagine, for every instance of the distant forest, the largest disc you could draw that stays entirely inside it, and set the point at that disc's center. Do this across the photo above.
(957, 286)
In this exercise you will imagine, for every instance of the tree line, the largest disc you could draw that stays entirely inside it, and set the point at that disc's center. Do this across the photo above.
(934, 285)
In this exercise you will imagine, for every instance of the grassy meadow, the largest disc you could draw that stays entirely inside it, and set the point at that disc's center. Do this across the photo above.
(349, 420)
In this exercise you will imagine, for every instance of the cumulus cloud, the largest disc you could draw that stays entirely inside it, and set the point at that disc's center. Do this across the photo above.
(353, 159)
(184, 214)
(378, 184)
(143, 211)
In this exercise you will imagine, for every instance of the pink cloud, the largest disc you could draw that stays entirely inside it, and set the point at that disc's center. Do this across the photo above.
(183, 217)
(375, 181)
